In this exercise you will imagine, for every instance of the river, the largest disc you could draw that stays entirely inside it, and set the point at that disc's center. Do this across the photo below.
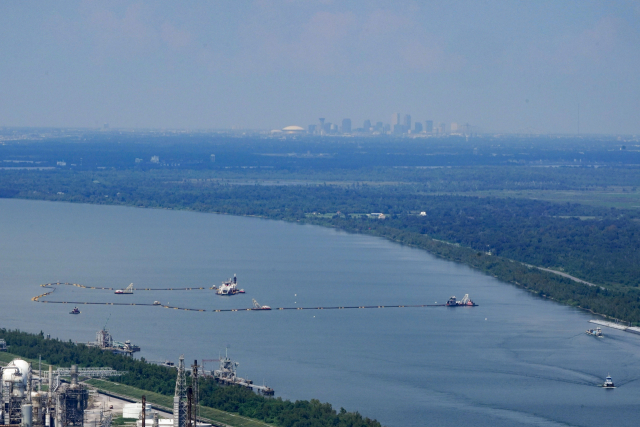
(513, 360)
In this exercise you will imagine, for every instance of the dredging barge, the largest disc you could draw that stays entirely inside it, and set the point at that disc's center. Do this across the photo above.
(464, 302)
(229, 287)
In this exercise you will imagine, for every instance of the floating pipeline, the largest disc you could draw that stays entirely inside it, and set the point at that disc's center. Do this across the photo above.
(50, 285)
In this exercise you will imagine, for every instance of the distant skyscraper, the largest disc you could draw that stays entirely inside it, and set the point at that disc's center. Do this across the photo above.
(312, 128)
(407, 122)
(418, 128)
(395, 120)
(321, 130)
(367, 125)
(454, 127)
(443, 128)
(346, 125)
(428, 126)
(379, 127)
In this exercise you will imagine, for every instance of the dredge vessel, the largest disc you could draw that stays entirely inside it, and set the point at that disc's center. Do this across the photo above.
(229, 287)
(464, 302)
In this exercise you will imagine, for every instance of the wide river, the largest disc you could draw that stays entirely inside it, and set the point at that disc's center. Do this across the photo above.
(513, 360)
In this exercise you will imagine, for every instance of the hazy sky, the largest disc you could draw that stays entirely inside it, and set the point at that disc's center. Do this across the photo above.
(500, 65)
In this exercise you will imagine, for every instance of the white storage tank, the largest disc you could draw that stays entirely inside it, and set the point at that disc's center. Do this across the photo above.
(16, 373)
(133, 410)
(165, 422)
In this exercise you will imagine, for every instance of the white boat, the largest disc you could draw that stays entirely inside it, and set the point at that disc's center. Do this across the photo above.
(156, 303)
(597, 332)
(608, 382)
(230, 287)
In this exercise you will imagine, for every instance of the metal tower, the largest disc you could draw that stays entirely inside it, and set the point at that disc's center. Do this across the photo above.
(179, 403)
(196, 393)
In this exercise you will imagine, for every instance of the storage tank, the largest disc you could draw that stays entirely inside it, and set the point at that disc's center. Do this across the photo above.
(16, 375)
(27, 415)
(133, 410)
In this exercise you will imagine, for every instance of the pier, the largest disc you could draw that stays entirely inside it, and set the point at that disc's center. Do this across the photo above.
(619, 326)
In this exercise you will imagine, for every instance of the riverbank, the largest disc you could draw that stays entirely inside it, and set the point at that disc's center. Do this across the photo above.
(613, 302)
(156, 383)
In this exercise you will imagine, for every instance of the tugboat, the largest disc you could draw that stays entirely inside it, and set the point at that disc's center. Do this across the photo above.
(75, 311)
(230, 287)
(597, 332)
(464, 302)
(608, 382)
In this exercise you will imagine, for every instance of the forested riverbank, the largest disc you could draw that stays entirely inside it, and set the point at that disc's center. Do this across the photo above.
(158, 379)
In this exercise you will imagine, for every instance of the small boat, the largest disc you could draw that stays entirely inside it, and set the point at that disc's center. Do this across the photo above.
(156, 303)
(597, 332)
(608, 382)
(75, 311)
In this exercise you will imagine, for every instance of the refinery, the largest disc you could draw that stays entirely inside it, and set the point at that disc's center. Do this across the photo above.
(25, 402)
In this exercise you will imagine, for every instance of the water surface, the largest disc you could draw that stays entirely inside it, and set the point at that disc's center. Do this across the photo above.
(514, 360)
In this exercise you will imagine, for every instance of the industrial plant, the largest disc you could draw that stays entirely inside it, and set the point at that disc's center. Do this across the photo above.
(25, 404)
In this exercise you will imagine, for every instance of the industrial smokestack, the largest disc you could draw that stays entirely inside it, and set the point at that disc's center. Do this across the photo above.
(47, 420)
(74, 376)
(189, 395)
(144, 411)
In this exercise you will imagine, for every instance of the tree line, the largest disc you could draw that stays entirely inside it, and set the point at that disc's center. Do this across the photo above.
(159, 379)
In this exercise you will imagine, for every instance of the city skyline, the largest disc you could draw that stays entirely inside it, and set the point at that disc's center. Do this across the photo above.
(399, 124)
(541, 67)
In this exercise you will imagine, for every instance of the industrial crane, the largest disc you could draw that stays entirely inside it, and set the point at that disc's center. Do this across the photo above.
(257, 306)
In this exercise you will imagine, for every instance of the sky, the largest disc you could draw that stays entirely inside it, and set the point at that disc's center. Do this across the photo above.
(501, 66)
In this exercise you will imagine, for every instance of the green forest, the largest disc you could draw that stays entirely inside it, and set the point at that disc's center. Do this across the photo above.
(159, 379)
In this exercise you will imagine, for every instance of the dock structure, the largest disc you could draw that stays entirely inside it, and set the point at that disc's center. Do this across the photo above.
(105, 341)
(227, 375)
(619, 326)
